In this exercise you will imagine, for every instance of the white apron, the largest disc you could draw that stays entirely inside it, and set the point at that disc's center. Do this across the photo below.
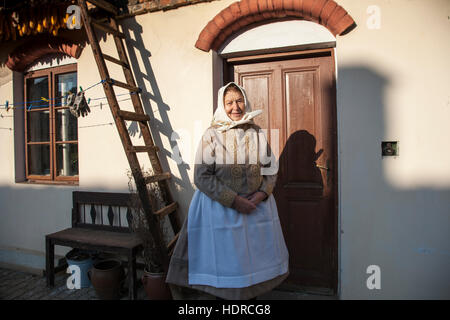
(228, 249)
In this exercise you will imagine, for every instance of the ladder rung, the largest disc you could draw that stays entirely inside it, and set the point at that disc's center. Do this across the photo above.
(133, 116)
(158, 177)
(124, 85)
(107, 28)
(166, 210)
(117, 61)
(173, 241)
(105, 6)
(144, 148)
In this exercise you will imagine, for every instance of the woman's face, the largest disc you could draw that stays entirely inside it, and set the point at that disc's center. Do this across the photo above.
(234, 104)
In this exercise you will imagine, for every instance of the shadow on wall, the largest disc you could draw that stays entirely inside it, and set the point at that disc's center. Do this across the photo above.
(137, 52)
(405, 232)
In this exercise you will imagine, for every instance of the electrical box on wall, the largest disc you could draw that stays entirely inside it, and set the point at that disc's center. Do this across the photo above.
(389, 148)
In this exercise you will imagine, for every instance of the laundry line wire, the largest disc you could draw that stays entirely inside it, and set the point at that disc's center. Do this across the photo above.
(97, 125)
(16, 105)
(24, 104)
(89, 126)
(90, 106)
(30, 107)
(81, 127)
(99, 105)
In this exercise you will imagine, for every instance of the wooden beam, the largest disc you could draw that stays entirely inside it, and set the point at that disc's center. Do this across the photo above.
(158, 177)
(124, 85)
(105, 6)
(144, 149)
(99, 25)
(133, 116)
(116, 61)
(166, 210)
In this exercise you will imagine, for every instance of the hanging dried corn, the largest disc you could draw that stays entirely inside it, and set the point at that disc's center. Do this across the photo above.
(50, 18)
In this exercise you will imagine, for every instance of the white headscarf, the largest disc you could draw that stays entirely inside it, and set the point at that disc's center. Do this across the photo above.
(220, 116)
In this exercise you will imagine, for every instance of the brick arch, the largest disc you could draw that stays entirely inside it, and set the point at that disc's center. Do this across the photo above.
(27, 53)
(245, 12)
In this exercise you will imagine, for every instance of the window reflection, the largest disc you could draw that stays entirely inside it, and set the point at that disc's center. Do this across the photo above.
(67, 159)
(38, 126)
(39, 159)
(66, 126)
(37, 88)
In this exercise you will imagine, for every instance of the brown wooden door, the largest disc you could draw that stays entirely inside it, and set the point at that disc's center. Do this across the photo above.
(298, 97)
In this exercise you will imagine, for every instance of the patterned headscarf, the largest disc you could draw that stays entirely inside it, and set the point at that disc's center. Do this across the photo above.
(220, 116)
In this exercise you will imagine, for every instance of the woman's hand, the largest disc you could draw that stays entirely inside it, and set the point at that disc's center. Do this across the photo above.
(257, 197)
(243, 205)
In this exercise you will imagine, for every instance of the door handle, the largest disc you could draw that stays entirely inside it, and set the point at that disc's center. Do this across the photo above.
(322, 167)
(327, 168)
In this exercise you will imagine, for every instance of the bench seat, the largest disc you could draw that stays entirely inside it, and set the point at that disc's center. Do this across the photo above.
(100, 238)
(100, 222)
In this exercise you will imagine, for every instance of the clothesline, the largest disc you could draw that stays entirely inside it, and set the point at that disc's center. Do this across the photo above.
(19, 105)
(97, 125)
(81, 127)
(22, 104)
(93, 106)
(30, 107)
(61, 104)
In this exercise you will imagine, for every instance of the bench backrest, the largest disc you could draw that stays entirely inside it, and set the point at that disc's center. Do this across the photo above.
(102, 210)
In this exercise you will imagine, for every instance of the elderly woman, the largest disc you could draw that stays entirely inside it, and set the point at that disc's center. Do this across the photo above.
(231, 245)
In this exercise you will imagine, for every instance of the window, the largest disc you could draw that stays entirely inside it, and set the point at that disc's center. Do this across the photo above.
(51, 131)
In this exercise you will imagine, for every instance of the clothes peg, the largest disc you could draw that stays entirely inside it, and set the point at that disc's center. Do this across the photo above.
(7, 105)
(101, 104)
(81, 89)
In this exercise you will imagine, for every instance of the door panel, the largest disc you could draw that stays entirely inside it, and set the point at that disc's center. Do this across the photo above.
(299, 103)
(258, 94)
(297, 97)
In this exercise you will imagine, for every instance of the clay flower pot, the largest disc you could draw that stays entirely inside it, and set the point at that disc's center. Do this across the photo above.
(155, 286)
(107, 277)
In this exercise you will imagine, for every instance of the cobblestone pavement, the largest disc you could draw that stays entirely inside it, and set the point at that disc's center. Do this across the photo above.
(17, 285)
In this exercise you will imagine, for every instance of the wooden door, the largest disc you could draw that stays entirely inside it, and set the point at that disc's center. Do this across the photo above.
(297, 94)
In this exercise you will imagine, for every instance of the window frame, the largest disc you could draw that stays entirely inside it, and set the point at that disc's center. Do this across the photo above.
(51, 74)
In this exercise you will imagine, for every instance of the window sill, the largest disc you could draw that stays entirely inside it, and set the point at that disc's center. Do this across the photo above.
(53, 183)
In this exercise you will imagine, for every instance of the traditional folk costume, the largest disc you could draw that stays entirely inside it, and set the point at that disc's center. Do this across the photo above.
(221, 251)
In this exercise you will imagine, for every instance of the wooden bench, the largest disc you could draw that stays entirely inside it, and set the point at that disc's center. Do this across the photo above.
(100, 222)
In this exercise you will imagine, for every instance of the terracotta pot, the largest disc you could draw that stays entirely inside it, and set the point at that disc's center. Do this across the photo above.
(107, 277)
(155, 286)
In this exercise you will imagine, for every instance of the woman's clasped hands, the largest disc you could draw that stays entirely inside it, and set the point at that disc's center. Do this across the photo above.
(249, 203)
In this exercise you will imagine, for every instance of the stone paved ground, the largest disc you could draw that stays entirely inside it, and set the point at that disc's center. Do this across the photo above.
(17, 285)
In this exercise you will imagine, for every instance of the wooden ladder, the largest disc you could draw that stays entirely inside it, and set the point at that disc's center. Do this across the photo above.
(120, 116)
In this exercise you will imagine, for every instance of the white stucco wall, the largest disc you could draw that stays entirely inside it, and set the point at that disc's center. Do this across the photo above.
(392, 85)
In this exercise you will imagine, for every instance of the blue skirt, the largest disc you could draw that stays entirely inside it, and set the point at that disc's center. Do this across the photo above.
(228, 249)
